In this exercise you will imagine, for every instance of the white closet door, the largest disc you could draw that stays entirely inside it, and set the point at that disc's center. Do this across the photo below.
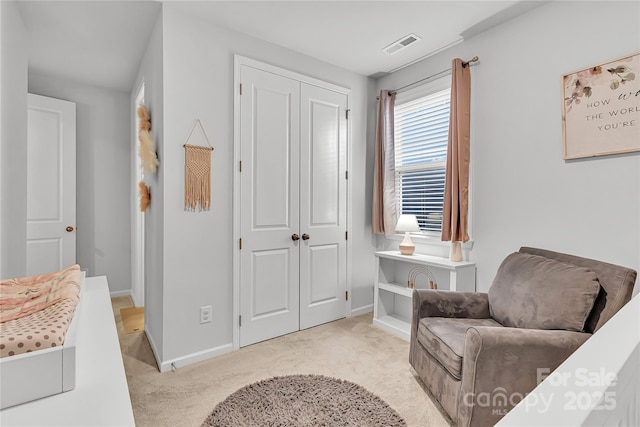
(323, 188)
(51, 184)
(269, 259)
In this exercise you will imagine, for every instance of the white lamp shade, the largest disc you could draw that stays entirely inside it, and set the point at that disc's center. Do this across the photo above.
(407, 223)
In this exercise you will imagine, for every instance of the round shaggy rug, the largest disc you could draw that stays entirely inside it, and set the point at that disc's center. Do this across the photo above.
(301, 401)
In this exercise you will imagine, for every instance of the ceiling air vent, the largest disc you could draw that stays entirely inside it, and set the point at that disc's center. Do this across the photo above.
(401, 44)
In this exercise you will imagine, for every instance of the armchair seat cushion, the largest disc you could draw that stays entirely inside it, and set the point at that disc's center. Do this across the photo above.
(443, 338)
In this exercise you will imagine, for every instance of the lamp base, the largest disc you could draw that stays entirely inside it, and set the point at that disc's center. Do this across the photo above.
(406, 246)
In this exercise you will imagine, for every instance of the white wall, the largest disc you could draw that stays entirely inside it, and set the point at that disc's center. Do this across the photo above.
(198, 247)
(102, 176)
(13, 138)
(151, 73)
(523, 192)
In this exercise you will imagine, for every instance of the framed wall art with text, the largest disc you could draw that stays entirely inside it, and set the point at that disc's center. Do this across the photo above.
(601, 109)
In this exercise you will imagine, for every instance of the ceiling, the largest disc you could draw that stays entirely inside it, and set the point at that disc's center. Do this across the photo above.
(102, 42)
(96, 42)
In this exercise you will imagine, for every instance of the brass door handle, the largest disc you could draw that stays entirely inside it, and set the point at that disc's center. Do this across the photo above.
(305, 236)
(69, 229)
(295, 237)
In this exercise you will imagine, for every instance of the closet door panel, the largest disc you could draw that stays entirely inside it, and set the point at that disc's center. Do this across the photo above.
(271, 158)
(323, 189)
(269, 211)
(269, 290)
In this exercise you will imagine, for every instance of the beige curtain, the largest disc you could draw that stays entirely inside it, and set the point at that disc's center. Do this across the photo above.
(456, 191)
(383, 216)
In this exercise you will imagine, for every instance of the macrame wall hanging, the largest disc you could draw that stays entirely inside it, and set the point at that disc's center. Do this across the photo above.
(197, 173)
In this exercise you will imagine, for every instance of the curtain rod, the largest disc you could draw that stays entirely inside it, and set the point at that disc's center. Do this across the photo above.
(464, 64)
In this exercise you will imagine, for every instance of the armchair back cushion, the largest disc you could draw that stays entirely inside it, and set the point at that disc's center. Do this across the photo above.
(616, 284)
(534, 292)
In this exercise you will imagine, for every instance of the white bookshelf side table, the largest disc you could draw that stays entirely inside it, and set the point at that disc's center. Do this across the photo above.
(392, 306)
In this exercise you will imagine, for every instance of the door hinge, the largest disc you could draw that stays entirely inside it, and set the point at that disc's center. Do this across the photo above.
(240, 165)
(240, 243)
(346, 114)
(346, 295)
(240, 321)
(240, 88)
(346, 235)
(346, 174)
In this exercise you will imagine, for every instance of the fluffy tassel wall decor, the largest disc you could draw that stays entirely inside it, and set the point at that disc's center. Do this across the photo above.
(197, 174)
(147, 152)
(145, 196)
(146, 149)
(144, 123)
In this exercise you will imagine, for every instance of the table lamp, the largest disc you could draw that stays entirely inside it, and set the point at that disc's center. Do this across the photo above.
(408, 224)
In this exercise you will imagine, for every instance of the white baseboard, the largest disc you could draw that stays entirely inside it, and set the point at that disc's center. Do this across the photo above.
(125, 293)
(153, 346)
(199, 356)
(135, 303)
(361, 310)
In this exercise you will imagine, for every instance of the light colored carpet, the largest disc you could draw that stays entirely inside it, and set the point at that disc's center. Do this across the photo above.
(303, 401)
(350, 349)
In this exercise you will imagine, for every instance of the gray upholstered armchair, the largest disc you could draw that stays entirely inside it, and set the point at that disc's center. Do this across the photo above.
(479, 354)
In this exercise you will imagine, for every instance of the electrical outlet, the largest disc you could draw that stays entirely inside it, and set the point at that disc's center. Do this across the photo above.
(206, 314)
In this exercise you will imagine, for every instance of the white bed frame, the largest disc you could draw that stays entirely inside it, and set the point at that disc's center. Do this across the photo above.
(42, 373)
(101, 394)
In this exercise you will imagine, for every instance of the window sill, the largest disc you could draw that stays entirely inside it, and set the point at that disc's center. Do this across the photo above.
(427, 239)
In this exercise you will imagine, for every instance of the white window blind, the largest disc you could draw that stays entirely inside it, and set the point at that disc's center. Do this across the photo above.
(421, 137)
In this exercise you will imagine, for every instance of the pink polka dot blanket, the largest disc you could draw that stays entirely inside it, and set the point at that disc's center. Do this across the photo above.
(35, 312)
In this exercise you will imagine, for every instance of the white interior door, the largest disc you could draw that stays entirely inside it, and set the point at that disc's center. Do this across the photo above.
(137, 217)
(293, 138)
(51, 184)
(323, 213)
(269, 258)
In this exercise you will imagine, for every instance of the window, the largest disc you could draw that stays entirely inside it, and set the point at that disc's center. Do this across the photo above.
(421, 137)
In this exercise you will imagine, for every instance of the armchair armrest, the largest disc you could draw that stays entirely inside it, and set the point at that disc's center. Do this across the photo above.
(433, 303)
(502, 365)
